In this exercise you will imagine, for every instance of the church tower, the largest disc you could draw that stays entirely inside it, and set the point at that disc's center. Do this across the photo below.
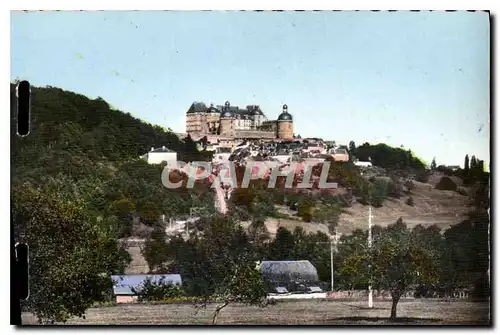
(285, 125)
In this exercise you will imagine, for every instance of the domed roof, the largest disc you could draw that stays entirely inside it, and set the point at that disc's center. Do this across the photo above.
(226, 110)
(285, 116)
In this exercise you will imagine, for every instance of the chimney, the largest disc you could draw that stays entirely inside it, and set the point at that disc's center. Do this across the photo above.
(152, 148)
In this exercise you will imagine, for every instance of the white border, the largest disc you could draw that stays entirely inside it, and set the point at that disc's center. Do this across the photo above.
(183, 5)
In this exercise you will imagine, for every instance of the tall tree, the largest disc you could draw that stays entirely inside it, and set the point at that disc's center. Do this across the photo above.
(466, 163)
(396, 261)
(352, 149)
(433, 164)
(473, 162)
(283, 245)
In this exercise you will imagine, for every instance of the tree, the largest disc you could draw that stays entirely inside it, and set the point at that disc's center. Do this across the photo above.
(72, 256)
(433, 164)
(466, 163)
(258, 231)
(158, 290)
(352, 149)
(244, 285)
(305, 208)
(219, 265)
(123, 210)
(283, 245)
(155, 250)
(378, 192)
(329, 215)
(469, 246)
(396, 261)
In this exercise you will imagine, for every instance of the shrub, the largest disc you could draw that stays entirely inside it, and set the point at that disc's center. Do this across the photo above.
(379, 193)
(423, 176)
(157, 291)
(305, 208)
(446, 184)
(394, 189)
(446, 170)
(409, 201)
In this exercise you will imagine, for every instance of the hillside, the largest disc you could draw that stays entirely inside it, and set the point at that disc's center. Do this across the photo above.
(84, 151)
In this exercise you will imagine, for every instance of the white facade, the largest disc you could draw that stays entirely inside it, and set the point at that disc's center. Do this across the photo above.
(363, 164)
(157, 156)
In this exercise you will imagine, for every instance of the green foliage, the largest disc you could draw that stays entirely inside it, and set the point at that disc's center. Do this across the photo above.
(305, 208)
(446, 183)
(82, 146)
(352, 149)
(258, 231)
(389, 158)
(398, 259)
(257, 200)
(468, 244)
(220, 264)
(283, 245)
(155, 249)
(71, 255)
(157, 291)
(379, 193)
(328, 214)
(433, 164)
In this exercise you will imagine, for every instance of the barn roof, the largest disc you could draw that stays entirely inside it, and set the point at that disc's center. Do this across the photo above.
(123, 284)
(289, 271)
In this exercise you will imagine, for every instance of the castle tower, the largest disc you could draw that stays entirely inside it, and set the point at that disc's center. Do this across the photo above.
(226, 121)
(285, 125)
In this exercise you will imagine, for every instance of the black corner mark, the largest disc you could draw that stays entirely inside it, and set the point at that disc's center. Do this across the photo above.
(23, 108)
(22, 260)
(15, 301)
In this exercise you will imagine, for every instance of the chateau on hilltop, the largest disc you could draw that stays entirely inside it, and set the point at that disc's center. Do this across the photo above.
(232, 123)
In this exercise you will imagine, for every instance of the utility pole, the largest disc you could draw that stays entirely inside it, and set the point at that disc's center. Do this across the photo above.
(331, 264)
(333, 245)
(370, 291)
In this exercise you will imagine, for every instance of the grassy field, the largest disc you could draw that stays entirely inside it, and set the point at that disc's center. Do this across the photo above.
(300, 312)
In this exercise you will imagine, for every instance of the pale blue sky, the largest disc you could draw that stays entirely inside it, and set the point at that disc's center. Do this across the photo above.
(420, 79)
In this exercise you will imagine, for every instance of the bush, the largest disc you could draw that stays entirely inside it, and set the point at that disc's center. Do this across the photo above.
(409, 201)
(446, 170)
(446, 184)
(394, 189)
(305, 208)
(158, 291)
(423, 176)
(379, 193)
